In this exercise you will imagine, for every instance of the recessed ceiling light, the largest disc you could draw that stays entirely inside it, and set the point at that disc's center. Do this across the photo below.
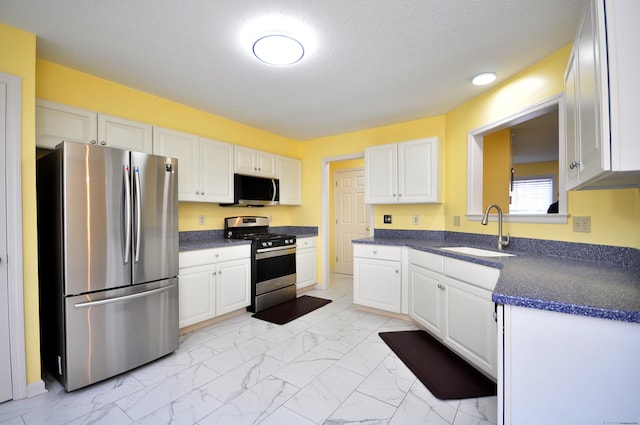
(484, 78)
(276, 49)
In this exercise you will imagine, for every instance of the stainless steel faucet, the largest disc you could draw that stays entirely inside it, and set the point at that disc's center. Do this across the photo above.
(485, 219)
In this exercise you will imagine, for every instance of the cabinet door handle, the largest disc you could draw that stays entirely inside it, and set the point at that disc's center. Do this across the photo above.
(574, 164)
(197, 192)
(103, 143)
(93, 142)
(375, 252)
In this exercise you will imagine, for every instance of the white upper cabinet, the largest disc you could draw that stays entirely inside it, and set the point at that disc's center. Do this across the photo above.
(126, 134)
(216, 171)
(204, 165)
(56, 122)
(253, 162)
(289, 172)
(405, 172)
(601, 95)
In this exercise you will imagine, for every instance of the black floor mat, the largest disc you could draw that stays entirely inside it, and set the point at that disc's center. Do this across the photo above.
(292, 309)
(441, 370)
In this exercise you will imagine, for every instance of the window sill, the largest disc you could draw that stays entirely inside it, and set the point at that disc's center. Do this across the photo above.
(561, 218)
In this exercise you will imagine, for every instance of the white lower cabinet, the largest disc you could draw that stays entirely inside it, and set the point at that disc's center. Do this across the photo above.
(197, 294)
(458, 312)
(426, 295)
(213, 282)
(470, 326)
(306, 262)
(561, 368)
(377, 277)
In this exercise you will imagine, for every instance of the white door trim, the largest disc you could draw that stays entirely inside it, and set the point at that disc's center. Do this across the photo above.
(13, 164)
(326, 220)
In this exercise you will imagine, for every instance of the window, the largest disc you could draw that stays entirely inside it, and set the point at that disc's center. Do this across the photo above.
(531, 196)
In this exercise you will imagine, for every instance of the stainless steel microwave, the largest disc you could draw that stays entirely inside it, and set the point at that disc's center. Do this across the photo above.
(252, 191)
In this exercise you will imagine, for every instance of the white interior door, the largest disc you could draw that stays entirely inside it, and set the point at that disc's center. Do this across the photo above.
(5, 349)
(351, 216)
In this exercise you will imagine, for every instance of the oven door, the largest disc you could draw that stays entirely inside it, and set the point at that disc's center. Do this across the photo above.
(275, 268)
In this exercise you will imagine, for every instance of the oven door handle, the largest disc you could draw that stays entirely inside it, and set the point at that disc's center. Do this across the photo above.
(275, 252)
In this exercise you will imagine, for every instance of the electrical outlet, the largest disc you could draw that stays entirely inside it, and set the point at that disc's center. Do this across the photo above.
(387, 219)
(456, 220)
(416, 219)
(201, 219)
(582, 224)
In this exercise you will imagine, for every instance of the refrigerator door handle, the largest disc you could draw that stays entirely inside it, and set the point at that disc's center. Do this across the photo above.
(137, 189)
(127, 213)
(125, 298)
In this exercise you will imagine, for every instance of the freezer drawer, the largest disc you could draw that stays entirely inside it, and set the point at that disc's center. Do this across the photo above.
(114, 331)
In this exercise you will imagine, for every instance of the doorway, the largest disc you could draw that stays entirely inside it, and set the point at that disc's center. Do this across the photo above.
(351, 216)
(327, 225)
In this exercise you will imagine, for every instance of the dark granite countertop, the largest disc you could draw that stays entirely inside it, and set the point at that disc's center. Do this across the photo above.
(220, 242)
(606, 286)
(206, 239)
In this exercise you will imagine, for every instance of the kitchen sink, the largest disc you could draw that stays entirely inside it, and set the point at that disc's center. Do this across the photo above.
(477, 251)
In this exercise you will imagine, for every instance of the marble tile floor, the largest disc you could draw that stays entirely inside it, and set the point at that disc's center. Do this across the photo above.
(327, 367)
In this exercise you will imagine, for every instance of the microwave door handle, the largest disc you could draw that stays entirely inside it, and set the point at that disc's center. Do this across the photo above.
(127, 212)
(273, 182)
(138, 212)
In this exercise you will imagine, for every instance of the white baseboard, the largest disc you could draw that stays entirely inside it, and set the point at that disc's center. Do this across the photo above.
(36, 388)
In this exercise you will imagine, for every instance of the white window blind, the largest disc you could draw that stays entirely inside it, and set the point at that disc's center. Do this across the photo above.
(531, 196)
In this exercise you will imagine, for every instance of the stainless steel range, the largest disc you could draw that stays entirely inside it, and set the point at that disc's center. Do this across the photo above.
(273, 260)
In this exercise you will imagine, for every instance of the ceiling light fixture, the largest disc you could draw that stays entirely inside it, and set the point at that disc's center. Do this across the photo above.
(276, 49)
(484, 79)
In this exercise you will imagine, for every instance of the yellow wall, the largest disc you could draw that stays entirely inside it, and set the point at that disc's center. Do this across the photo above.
(615, 214)
(314, 151)
(65, 85)
(18, 53)
(496, 155)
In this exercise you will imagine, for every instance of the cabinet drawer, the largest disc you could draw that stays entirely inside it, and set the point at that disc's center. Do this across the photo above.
(303, 243)
(476, 274)
(380, 252)
(214, 255)
(427, 260)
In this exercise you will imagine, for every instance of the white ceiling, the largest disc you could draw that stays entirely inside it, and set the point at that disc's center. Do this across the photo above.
(368, 62)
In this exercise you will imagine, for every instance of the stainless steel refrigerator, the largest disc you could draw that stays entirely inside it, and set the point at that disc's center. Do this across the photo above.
(108, 260)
